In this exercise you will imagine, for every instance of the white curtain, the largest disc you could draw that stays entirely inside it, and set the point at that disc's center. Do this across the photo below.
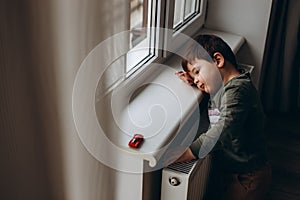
(42, 44)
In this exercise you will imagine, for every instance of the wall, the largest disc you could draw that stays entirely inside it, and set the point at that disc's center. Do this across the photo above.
(246, 18)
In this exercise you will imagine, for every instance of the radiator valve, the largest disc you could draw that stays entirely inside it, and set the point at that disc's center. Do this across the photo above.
(174, 181)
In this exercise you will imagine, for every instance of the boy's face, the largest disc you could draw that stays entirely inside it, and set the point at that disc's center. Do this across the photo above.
(205, 75)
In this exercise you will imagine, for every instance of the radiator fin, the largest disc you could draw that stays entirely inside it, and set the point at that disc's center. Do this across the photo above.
(183, 167)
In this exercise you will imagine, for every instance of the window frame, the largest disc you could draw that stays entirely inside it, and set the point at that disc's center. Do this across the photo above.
(155, 40)
(187, 28)
(163, 39)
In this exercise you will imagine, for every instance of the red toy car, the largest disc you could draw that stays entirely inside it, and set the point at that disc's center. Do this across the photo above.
(136, 141)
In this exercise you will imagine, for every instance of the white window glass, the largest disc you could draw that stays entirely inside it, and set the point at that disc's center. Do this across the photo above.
(181, 16)
(143, 15)
(177, 13)
(138, 20)
(189, 8)
(184, 11)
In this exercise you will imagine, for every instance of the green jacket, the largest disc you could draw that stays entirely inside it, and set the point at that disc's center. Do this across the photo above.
(237, 137)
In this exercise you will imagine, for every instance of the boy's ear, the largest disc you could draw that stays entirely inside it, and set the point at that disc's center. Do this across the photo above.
(219, 59)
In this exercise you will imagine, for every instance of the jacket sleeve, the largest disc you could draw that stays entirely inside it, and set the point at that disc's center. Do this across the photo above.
(233, 114)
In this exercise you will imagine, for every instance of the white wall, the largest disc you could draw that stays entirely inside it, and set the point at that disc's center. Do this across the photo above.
(248, 18)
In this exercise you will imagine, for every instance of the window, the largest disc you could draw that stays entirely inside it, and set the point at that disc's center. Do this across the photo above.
(183, 17)
(138, 20)
(146, 40)
(186, 17)
(184, 11)
(143, 15)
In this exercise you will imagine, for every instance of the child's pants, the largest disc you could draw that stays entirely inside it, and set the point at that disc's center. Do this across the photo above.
(248, 186)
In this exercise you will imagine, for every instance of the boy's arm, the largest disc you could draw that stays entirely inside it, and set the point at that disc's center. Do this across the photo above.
(186, 156)
(232, 117)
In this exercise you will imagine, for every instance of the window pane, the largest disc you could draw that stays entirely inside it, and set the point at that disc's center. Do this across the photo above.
(142, 16)
(177, 13)
(138, 20)
(184, 11)
(189, 8)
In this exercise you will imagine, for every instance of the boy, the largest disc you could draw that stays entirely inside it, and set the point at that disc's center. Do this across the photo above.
(236, 140)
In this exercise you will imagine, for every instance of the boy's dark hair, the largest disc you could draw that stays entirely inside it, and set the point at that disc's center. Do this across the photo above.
(211, 44)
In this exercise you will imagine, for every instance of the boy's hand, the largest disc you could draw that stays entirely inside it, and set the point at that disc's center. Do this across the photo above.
(186, 156)
(185, 77)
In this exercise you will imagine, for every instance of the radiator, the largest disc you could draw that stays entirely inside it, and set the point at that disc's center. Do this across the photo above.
(185, 180)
